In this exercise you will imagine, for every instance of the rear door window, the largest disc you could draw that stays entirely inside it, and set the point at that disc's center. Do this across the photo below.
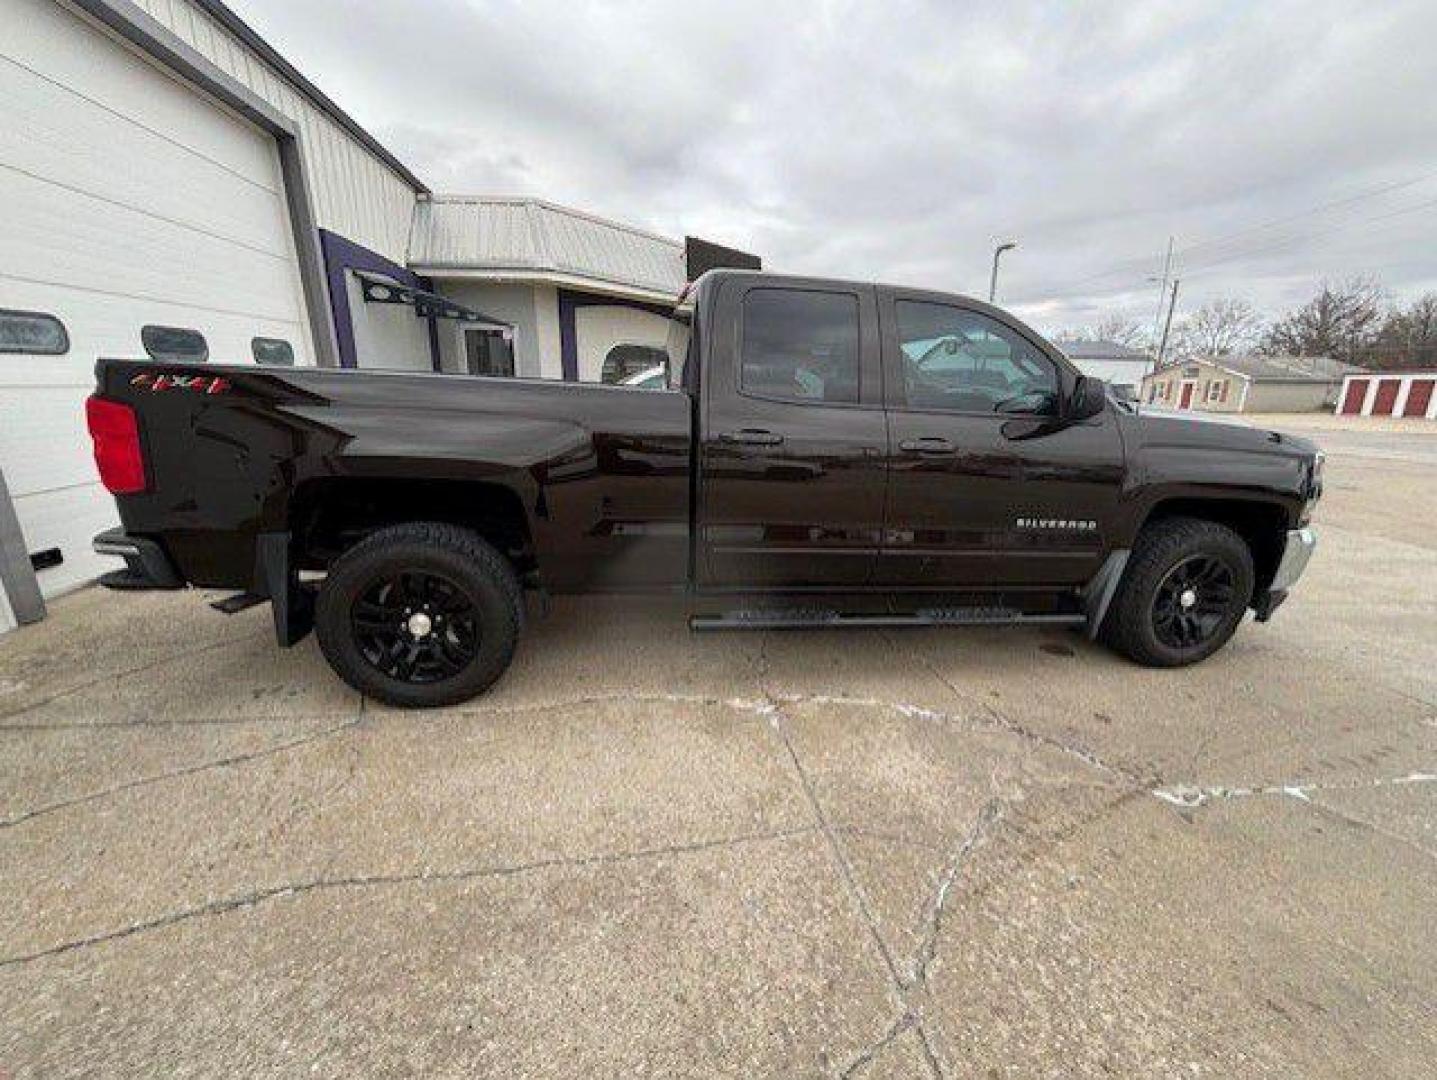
(800, 345)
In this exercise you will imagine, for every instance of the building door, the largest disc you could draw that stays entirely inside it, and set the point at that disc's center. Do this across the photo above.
(1418, 398)
(1386, 397)
(488, 351)
(131, 201)
(1356, 395)
(1186, 400)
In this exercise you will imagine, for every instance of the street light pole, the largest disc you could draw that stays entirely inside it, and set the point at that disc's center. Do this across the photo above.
(997, 253)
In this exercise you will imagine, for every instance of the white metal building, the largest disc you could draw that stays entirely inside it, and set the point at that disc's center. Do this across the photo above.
(165, 178)
(1117, 364)
(1390, 393)
(545, 291)
(174, 188)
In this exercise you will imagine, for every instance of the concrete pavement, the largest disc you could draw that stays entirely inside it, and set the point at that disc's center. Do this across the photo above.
(953, 853)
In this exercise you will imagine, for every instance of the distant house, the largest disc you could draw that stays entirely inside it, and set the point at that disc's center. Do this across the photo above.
(1257, 384)
(1117, 364)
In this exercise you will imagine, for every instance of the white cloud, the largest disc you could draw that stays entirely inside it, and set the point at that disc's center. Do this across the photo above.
(898, 141)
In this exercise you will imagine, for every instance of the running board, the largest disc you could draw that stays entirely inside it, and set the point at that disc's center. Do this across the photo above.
(822, 618)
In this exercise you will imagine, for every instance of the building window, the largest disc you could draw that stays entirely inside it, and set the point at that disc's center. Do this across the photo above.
(273, 352)
(800, 345)
(628, 362)
(174, 344)
(32, 332)
(489, 351)
(1215, 388)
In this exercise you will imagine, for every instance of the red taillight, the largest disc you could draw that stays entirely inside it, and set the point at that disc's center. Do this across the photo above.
(116, 434)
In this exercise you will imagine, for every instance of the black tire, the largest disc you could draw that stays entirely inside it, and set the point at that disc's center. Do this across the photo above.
(471, 606)
(1183, 593)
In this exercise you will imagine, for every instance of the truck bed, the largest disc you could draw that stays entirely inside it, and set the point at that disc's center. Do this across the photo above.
(236, 452)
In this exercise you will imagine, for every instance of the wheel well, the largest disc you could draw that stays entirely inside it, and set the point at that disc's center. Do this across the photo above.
(329, 516)
(1263, 527)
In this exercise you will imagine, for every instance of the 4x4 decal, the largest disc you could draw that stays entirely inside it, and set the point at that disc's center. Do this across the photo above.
(200, 384)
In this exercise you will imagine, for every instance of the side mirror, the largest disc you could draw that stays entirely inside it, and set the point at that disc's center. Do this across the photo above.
(1090, 397)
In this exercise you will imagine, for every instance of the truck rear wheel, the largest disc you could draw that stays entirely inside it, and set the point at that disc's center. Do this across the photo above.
(420, 615)
(1183, 593)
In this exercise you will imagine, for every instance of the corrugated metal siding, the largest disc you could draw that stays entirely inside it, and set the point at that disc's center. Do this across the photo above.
(525, 234)
(353, 193)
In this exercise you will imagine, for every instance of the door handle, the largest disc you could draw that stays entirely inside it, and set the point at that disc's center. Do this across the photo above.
(929, 444)
(751, 437)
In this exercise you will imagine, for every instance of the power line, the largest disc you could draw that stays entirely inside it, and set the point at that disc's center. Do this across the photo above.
(1372, 193)
(1290, 241)
(1128, 266)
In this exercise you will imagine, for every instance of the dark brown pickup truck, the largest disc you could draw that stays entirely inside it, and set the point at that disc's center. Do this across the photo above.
(826, 453)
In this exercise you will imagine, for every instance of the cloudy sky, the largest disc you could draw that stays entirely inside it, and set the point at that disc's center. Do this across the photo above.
(1279, 142)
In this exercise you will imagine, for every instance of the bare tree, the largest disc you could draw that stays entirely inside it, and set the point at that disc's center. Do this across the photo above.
(1342, 321)
(1112, 328)
(1220, 327)
(1121, 331)
(1408, 337)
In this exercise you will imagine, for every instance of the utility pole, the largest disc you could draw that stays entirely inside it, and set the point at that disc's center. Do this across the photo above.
(1163, 288)
(1168, 325)
(997, 253)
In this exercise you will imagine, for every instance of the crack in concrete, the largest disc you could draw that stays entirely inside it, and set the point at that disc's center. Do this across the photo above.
(1192, 796)
(990, 814)
(138, 669)
(189, 770)
(258, 897)
(1004, 722)
(776, 721)
(860, 899)
(144, 722)
(1331, 811)
(872, 1052)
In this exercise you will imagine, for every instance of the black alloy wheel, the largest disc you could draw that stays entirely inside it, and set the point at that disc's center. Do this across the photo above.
(1193, 602)
(416, 627)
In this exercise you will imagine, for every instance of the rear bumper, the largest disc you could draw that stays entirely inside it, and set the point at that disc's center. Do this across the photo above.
(146, 564)
(1296, 554)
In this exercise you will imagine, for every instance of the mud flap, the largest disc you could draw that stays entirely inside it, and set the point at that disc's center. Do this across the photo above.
(291, 603)
(1097, 594)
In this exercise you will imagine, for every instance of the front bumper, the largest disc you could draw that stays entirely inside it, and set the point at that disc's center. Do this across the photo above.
(1296, 554)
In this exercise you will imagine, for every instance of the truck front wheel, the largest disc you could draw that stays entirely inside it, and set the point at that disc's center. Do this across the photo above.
(420, 615)
(1183, 593)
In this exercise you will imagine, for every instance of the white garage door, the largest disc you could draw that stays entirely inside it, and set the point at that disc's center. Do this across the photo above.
(129, 200)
